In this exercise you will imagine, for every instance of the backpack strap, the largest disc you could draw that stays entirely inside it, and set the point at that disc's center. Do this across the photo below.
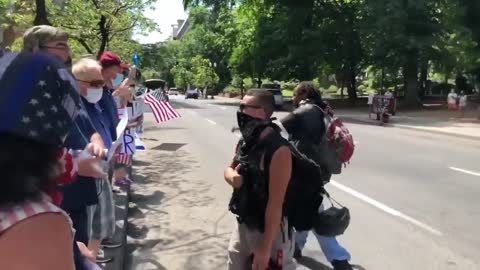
(270, 145)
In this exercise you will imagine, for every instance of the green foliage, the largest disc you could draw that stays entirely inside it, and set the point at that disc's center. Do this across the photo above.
(102, 25)
(360, 46)
(203, 72)
(183, 77)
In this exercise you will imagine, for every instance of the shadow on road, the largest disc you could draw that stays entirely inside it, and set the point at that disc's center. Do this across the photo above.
(166, 187)
(312, 264)
(158, 127)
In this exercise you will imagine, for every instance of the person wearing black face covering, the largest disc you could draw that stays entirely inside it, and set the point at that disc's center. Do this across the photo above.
(259, 187)
(306, 128)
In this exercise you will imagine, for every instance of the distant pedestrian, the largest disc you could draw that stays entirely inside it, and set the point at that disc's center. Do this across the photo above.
(462, 104)
(452, 100)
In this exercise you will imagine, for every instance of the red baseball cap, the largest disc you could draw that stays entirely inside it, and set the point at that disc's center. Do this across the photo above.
(109, 59)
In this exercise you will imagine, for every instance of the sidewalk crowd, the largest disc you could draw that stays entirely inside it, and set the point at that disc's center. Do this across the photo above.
(64, 153)
(62, 140)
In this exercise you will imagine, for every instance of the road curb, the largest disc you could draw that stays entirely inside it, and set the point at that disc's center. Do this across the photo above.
(445, 133)
(119, 254)
(125, 221)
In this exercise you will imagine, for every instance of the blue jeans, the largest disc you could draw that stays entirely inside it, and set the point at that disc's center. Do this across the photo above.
(330, 247)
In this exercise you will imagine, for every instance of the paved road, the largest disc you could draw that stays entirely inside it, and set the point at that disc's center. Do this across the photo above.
(414, 197)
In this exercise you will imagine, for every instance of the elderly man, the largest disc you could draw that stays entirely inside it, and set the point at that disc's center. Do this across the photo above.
(88, 74)
(53, 41)
(83, 192)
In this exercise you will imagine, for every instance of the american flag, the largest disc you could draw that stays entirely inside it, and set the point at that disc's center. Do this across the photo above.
(162, 110)
(124, 159)
(38, 99)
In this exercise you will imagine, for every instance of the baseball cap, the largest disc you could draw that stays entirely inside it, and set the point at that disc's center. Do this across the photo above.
(110, 59)
(40, 35)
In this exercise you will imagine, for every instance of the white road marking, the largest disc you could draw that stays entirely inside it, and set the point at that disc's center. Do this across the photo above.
(385, 208)
(223, 108)
(464, 171)
(211, 122)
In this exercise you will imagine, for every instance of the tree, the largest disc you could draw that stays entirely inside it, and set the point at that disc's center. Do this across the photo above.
(183, 77)
(41, 13)
(203, 73)
(101, 21)
(161, 58)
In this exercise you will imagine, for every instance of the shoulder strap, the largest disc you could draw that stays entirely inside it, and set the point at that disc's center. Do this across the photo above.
(270, 144)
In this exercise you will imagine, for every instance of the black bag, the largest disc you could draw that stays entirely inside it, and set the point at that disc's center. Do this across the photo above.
(332, 221)
(304, 192)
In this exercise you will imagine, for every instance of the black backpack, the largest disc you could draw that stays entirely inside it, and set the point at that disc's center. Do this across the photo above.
(304, 192)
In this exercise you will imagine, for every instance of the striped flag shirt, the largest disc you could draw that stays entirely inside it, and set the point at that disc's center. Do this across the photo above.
(162, 110)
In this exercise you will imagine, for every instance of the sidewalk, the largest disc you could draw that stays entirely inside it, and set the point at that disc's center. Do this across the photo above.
(440, 122)
(121, 210)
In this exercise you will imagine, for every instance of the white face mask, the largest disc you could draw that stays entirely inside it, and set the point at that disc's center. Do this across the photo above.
(117, 81)
(94, 95)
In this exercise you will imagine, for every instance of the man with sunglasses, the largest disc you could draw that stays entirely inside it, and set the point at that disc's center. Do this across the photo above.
(48, 39)
(54, 41)
(259, 178)
(82, 192)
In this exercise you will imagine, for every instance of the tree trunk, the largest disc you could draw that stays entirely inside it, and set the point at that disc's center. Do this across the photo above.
(410, 74)
(352, 85)
(423, 79)
(104, 33)
(382, 82)
(41, 17)
(259, 80)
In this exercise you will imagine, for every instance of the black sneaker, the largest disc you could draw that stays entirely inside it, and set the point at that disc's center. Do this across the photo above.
(297, 254)
(341, 265)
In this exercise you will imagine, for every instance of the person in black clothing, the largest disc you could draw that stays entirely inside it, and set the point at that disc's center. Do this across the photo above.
(259, 183)
(306, 127)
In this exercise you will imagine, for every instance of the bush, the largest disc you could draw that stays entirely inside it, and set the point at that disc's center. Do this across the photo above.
(231, 90)
(287, 93)
(332, 89)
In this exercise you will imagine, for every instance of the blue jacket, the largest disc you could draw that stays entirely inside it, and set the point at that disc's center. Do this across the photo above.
(109, 110)
(83, 191)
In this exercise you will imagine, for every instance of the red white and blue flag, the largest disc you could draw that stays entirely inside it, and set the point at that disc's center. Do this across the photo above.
(161, 109)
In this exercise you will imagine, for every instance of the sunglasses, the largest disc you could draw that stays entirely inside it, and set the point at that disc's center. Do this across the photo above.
(61, 47)
(94, 83)
(243, 106)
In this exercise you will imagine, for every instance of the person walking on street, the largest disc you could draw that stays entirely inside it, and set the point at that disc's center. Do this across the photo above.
(306, 128)
(462, 104)
(261, 238)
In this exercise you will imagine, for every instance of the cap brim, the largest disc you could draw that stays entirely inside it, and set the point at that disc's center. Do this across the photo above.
(124, 66)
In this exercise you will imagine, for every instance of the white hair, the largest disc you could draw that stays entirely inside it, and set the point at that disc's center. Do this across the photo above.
(83, 66)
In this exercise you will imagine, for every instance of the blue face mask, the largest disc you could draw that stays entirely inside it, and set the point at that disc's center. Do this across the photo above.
(117, 81)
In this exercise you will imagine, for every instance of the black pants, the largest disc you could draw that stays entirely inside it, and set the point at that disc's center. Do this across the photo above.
(80, 224)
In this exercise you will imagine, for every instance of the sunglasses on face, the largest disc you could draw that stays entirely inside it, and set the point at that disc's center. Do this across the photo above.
(243, 106)
(60, 46)
(94, 83)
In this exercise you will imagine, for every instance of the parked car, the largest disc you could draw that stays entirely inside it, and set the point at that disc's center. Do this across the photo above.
(275, 89)
(173, 92)
(192, 93)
